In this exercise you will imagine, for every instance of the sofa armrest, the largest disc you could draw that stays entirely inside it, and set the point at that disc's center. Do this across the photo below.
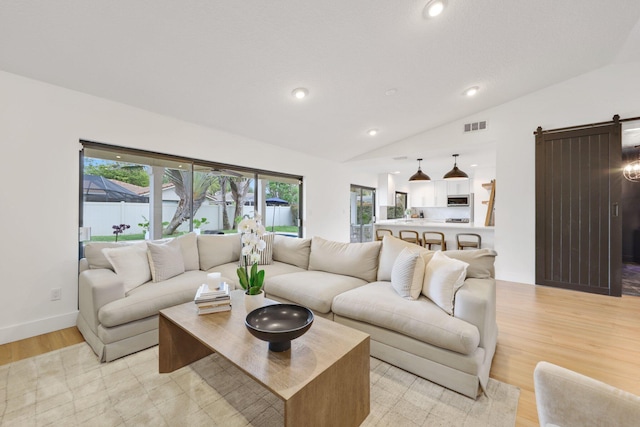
(97, 288)
(476, 303)
(567, 398)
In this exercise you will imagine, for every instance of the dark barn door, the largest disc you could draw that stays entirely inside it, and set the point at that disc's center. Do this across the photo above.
(578, 224)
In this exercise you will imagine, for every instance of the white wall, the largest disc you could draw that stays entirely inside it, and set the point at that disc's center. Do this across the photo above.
(40, 126)
(589, 98)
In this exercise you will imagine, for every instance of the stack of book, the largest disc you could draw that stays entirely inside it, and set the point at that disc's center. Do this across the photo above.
(212, 300)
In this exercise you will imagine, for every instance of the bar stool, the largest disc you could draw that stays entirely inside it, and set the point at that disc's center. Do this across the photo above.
(434, 241)
(381, 232)
(466, 243)
(410, 236)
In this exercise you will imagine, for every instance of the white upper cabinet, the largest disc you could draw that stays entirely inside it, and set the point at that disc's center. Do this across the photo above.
(456, 188)
(441, 192)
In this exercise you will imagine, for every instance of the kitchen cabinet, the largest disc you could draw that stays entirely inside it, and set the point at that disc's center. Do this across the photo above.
(456, 188)
(422, 194)
(440, 194)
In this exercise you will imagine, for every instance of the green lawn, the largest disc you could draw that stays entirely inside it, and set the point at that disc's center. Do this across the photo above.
(140, 236)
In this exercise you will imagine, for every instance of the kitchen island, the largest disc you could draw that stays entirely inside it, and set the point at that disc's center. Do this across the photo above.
(449, 229)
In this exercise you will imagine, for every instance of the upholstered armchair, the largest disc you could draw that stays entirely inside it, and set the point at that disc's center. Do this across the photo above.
(566, 398)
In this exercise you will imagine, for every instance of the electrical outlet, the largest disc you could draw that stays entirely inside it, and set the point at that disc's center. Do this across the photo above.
(56, 294)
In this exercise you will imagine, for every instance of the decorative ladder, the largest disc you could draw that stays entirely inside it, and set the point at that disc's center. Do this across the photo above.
(491, 210)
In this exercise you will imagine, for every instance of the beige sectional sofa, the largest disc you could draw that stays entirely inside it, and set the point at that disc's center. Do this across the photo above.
(355, 284)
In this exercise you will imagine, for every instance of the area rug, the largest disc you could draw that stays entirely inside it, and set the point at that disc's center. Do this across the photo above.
(69, 387)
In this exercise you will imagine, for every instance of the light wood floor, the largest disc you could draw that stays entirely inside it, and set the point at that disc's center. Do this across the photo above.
(596, 335)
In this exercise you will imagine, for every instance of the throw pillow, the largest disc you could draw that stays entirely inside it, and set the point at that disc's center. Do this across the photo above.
(130, 264)
(391, 248)
(165, 260)
(292, 250)
(189, 248)
(266, 256)
(408, 273)
(218, 249)
(442, 278)
(350, 259)
(480, 262)
(95, 257)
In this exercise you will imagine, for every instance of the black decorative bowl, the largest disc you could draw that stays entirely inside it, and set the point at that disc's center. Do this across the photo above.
(279, 324)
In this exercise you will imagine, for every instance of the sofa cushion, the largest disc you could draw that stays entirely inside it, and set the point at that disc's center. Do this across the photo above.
(218, 249)
(230, 275)
(130, 264)
(408, 273)
(378, 304)
(165, 260)
(292, 250)
(481, 262)
(148, 299)
(352, 259)
(95, 257)
(189, 247)
(391, 248)
(312, 289)
(443, 277)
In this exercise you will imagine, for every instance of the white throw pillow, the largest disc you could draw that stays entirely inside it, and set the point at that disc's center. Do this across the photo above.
(442, 278)
(407, 273)
(130, 264)
(165, 260)
(391, 248)
(189, 248)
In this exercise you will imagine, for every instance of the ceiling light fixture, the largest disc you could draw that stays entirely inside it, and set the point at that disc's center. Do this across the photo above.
(372, 132)
(434, 8)
(300, 92)
(419, 176)
(455, 174)
(471, 91)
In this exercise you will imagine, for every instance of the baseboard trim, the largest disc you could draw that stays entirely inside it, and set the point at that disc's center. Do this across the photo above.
(37, 327)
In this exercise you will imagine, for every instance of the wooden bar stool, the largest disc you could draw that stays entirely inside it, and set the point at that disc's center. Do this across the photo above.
(381, 232)
(410, 236)
(439, 240)
(466, 243)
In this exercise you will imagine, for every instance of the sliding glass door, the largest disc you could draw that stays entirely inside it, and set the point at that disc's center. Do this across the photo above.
(363, 201)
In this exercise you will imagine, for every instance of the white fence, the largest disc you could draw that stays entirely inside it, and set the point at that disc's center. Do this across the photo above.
(102, 216)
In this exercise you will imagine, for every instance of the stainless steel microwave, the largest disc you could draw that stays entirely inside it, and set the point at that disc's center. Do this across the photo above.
(455, 201)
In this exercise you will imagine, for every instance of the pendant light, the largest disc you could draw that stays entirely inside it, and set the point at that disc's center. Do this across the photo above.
(455, 173)
(419, 176)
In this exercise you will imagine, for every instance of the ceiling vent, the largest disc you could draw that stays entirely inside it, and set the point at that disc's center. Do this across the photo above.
(400, 158)
(472, 127)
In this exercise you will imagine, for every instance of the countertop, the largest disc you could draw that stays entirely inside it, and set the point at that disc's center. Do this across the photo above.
(425, 222)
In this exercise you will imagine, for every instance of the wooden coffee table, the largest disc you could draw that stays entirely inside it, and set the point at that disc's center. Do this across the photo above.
(323, 379)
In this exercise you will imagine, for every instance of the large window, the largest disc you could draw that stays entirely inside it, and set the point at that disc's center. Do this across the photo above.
(400, 206)
(134, 195)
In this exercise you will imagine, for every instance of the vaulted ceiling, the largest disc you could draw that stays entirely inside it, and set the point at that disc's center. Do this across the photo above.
(367, 64)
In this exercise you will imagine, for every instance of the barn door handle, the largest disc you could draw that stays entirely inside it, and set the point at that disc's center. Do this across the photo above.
(615, 209)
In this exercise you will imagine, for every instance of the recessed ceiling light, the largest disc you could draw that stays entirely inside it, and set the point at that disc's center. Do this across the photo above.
(118, 157)
(474, 165)
(471, 91)
(300, 92)
(372, 132)
(390, 92)
(434, 8)
(395, 172)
